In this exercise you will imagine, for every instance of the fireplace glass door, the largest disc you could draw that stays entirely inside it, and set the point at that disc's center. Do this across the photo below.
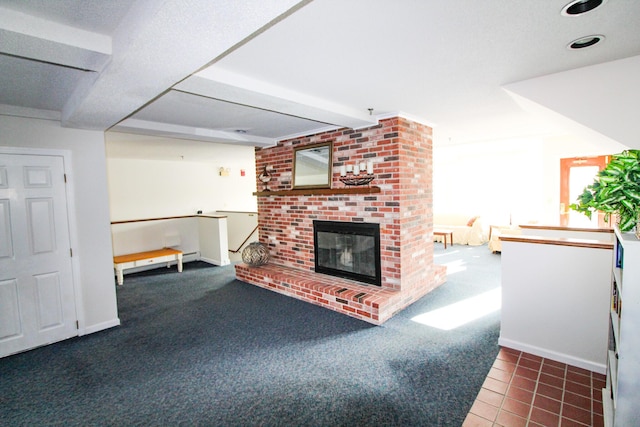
(350, 250)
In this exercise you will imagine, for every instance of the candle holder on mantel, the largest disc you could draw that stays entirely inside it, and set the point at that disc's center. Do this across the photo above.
(358, 174)
(362, 179)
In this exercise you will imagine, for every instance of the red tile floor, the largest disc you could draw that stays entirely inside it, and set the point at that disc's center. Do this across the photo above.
(526, 390)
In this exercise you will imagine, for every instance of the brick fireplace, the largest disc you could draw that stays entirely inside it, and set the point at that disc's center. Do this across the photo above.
(399, 200)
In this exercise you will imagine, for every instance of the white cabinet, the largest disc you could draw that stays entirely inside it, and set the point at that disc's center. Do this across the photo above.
(622, 393)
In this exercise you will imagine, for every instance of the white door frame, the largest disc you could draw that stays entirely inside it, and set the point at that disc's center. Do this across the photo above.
(71, 219)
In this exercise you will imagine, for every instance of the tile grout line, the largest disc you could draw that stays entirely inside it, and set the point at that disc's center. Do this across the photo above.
(535, 391)
(564, 390)
(513, 375)
(504, 395)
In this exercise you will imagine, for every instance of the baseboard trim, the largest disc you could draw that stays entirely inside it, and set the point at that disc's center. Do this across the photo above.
(553, 355)
(216, 261)
(99, 327)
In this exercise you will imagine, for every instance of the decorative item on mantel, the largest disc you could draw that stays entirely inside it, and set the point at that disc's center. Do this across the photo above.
(265, 177)
(255, 254)
(358, 174)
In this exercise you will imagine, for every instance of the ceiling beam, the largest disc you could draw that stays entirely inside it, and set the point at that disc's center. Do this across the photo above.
(223, 85)
(160, 43)
(145, 127)
(25, 36)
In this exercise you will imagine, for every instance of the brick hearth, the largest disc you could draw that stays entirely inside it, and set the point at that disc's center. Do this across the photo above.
(401, 151)
(369, 303)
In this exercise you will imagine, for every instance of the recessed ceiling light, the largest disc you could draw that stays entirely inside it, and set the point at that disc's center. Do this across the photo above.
(586, 41)
(578, 7)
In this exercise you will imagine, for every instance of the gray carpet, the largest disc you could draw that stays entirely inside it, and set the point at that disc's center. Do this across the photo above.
(201, 348)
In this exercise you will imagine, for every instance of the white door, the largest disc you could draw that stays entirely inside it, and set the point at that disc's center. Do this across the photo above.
(37, 301)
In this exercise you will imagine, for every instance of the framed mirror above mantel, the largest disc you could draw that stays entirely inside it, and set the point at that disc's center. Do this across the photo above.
(312, 166)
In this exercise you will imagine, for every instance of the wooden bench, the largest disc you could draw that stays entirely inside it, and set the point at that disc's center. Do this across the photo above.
(139, 259)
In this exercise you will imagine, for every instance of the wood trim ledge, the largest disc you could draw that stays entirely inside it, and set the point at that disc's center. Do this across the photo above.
(581, 243)
(166, 217)
(555, 227)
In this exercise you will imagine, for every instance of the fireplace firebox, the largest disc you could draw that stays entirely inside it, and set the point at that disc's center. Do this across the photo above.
(348, 249)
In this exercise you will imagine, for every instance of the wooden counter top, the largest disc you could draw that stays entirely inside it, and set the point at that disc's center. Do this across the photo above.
(559, 241)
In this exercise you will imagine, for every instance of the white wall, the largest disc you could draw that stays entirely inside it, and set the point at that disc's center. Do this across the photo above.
(92, 248)
(494, 179)
(177, 233)
(560, 311)
(147, 188)
(517, 179)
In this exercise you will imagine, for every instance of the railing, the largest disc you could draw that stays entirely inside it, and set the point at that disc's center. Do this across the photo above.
(164, 218)
(241, 225)
(244, 242)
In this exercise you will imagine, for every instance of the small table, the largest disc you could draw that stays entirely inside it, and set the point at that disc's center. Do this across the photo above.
(444, 234)
(123, 262)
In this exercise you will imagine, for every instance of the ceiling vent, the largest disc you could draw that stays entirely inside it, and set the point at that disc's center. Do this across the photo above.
(578, 7)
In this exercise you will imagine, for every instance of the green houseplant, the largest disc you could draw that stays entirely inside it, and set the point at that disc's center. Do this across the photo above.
(615, 190)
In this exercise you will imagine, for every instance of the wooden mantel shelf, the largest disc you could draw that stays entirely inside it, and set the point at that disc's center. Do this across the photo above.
(319, 191)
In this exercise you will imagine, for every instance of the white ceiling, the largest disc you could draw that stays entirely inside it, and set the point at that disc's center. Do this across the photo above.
(256, 71)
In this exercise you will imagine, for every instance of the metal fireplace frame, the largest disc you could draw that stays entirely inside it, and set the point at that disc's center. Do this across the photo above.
(350, 228)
